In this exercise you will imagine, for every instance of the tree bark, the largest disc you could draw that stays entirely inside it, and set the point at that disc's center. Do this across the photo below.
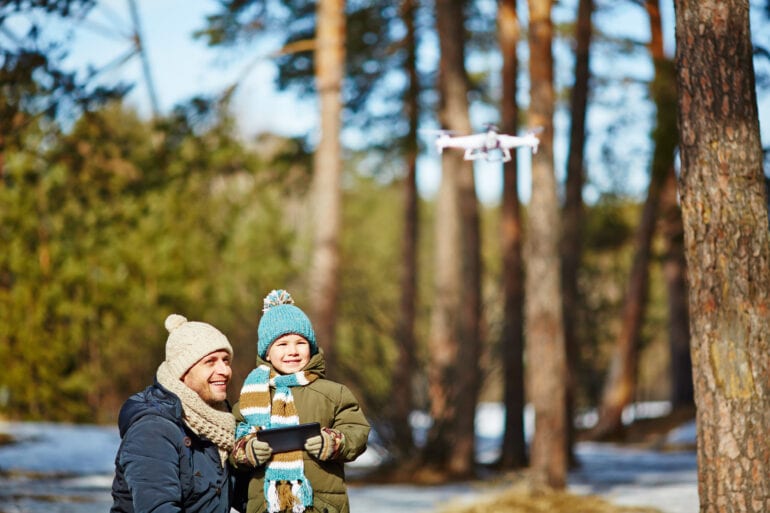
(454, 339)
(403, 374)
(724, 210)
(544, 317)
(571, 248)
(327, 194)
(514, 450)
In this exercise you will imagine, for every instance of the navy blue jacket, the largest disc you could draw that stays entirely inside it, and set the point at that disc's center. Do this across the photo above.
(162, 466)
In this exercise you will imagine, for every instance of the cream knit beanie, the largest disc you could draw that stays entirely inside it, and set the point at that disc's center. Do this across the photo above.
(189, 341)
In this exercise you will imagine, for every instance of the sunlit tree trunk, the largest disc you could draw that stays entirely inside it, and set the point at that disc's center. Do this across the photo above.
(620, 385)
(571, 248)
(514, 453)
(327, 178)
(454, 338)
(547, 367)
(724, 210)
(405, 367)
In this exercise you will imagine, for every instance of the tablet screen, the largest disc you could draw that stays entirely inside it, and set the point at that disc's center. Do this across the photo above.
(289, 438)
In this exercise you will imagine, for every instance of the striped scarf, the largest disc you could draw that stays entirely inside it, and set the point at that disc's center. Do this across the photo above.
(286, 487)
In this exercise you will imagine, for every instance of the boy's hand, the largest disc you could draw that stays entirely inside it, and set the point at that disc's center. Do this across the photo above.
(258, 452)
(326, 445)
(314, 445)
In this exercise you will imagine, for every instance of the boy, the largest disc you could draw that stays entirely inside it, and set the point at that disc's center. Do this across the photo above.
(288, 387)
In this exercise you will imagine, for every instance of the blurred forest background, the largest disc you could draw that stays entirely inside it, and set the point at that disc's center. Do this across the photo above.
(110, 220)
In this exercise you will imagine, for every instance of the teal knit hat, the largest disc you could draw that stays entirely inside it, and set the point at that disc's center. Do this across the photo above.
(280, 317)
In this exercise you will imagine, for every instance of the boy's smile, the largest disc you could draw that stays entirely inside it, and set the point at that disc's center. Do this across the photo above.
(289, 353)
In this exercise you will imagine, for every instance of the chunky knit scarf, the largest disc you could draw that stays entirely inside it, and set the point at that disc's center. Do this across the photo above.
(286, 487)
(217, 425)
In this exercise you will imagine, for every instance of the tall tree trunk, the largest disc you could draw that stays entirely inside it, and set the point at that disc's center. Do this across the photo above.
(724, 210)
(571, 248)
(327, 194)
(675, 275)
(672, 231)
(620, 386)
(405, 366)
(443, 338)
(514, 450)
(544, 319)
(454, 338)
(138, 38)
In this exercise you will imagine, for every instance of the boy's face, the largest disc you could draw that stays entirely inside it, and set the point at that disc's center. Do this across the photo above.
(289, 353)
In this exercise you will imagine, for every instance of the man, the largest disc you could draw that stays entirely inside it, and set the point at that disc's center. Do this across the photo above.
(177, 434)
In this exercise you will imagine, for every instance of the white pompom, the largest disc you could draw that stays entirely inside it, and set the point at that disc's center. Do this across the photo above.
(276, 298)
(173, 321)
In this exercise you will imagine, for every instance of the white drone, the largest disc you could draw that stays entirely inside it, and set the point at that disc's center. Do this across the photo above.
(490, 145)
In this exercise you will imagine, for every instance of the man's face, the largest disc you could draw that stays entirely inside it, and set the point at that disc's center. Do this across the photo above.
(209, 377)
(289, 353)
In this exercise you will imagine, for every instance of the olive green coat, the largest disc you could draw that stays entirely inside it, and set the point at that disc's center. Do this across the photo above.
(334, 406)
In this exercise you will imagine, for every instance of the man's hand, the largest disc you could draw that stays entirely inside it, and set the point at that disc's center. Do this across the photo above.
(258, 452)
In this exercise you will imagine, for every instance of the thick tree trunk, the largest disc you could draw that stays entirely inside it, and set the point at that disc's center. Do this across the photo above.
(405, 366)
(547, 367)
(514, 450)
(327, 178)
(443, 338)
(620, 386)
(454, 339)
(571, 248)
(724, 209)
(467, 382)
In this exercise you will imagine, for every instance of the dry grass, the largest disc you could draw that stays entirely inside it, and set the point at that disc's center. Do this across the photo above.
(522, 497)
(543, 502)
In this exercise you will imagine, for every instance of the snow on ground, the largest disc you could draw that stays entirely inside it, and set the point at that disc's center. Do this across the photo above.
(64, 468)
(59, 448)
(635, 477)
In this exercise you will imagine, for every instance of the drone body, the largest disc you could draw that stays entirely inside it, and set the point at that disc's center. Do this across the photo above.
(490, 145)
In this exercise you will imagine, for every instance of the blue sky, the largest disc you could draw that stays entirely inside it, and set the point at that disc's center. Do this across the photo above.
(182, 67)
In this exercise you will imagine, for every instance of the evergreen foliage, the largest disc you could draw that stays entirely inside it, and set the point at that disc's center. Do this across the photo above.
(111, 223)
(119, 222)
(105, 241)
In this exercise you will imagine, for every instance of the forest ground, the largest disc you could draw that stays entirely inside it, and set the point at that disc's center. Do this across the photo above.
(514, 492)
(65, 468)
